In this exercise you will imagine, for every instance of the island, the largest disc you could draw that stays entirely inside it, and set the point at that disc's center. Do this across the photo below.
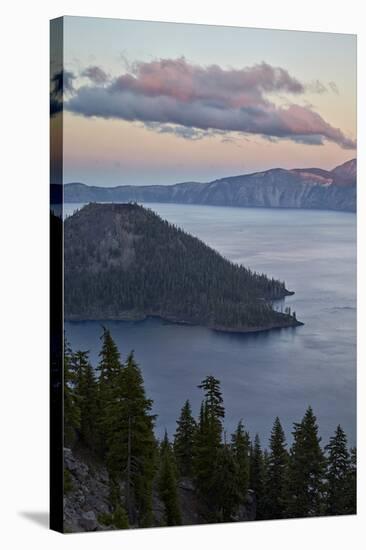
(124, 262)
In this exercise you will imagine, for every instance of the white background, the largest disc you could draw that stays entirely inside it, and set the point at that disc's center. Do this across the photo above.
(24, 272)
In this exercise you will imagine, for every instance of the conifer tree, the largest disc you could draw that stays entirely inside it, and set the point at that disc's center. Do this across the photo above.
(86, 388)
(208, 439)
(214, 412)
(213, 397)
(109, 368)
(110, 360)
(131, 444)
(120, 519)
(257, 475)
(225, 484)
(202, 458)
(265, 462)
(337, 476)
(240, 443)
(71, 403)
(306, 470)
(352, 483)
(277, 472)
(184, 441)
(167, 483)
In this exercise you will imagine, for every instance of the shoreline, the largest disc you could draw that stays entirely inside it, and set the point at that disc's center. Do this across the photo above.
(139, 318)
(283, 208)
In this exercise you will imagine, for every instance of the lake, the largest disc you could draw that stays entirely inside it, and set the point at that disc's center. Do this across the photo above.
(269, 374)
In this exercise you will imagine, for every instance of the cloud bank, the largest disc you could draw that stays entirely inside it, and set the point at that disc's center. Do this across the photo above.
(176, 96)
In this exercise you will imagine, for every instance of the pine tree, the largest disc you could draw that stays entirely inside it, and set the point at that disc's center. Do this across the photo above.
(213, 398)
(208, 440)
(109, 368)
(71, 403)
(202, 458)
(184, 441)
(265, 476)
(351, 505)
(306, 470)
(131, 444)
(167, 484)
(277, 472)
(110, 360)
(257, 475)
(240, 443)
(337, 476)
(86, 389)
(225, 484)
(120, 519)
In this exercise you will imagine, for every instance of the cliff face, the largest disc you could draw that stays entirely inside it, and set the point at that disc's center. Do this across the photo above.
(86, 496)
(310, 188)
(86, 499)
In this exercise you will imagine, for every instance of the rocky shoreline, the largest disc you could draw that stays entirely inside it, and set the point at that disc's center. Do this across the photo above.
(139, 318)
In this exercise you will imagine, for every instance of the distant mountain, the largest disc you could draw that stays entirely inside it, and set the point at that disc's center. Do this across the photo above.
(312, 188)
(346, 174)
(122, 261)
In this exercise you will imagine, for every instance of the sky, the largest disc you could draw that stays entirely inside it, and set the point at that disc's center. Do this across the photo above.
(160, 103)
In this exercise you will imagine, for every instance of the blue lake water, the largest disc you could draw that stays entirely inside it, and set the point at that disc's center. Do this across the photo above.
(263, 375)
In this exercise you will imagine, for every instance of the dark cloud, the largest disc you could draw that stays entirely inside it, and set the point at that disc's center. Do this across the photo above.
(180, 131)
(95, 74)
(310, 140)
(178, 96)
(333, 86)
(317, 87)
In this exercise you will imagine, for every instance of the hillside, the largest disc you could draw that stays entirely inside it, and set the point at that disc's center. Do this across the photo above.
(310, 188)
(123, 261)
(88, 498)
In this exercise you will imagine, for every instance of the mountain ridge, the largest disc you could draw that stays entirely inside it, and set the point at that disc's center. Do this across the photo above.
(309, 188)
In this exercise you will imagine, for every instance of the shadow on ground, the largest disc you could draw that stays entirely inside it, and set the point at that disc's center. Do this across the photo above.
(40, 518)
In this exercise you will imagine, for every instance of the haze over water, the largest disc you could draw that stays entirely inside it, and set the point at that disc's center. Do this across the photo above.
(263, 375)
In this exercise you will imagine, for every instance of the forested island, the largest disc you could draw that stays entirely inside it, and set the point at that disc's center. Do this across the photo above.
(118, 475)
(122, 261)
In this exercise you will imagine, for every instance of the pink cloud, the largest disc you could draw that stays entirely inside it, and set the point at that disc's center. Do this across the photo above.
(175, 92)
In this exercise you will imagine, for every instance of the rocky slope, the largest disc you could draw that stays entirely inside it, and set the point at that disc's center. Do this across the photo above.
(310, 188)
(86, 498)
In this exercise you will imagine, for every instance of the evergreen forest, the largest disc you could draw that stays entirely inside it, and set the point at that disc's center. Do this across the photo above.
(122, 261)
(108, 417)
